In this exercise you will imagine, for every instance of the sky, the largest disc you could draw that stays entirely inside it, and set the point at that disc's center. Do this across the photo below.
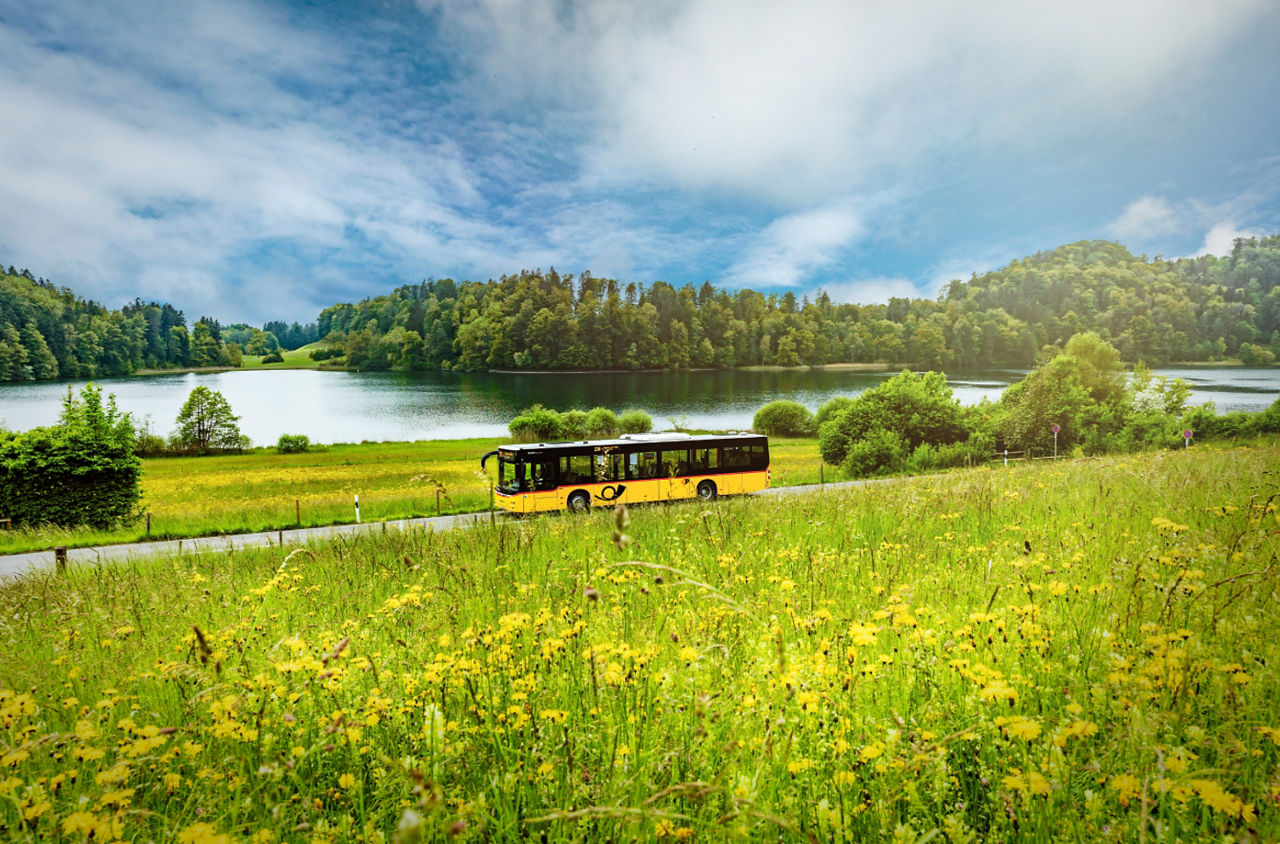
(252, 161)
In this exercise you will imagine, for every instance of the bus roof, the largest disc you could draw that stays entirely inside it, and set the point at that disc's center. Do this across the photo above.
(636, 440)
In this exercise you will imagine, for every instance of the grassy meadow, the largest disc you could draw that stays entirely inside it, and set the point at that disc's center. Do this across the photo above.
(263, 490)
(1081, 650)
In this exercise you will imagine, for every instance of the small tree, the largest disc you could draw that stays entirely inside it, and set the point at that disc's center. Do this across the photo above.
(784, 419)
(206, 423)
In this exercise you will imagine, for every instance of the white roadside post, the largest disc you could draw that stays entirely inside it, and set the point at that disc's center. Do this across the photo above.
(357, 509)
(1056, 429)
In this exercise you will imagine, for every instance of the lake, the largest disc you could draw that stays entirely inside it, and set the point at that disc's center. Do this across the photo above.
(334, 407)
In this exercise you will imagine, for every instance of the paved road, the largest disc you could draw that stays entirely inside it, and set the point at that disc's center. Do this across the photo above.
(18, 564)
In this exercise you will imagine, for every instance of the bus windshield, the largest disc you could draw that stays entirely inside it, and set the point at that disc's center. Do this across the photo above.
(513, 474)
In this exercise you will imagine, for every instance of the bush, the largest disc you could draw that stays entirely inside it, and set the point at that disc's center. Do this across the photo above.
(919, 408)
(601, 423)
(273, 357)
(325, 354)
(635, 422)
(830, 408)
(575, 424)
(784, 419)
(537, 424)
(81, 471)
(880, 452)
(293, 443)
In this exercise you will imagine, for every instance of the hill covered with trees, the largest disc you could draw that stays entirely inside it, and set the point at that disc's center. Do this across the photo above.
(50, 332)
(1152, 310)
(1157, 311)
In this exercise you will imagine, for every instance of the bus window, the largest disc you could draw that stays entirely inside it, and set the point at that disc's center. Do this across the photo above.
(544, 474)
(609, 467)
(675, 462)
(642, 465)
(740, 457)
(575, 469)
(743, 457)
(705, 459)
(513, 476)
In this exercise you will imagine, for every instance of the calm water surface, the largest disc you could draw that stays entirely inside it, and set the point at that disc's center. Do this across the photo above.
(352, 406)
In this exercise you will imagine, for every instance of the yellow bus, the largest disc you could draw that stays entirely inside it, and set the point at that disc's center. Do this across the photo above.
(577, 476)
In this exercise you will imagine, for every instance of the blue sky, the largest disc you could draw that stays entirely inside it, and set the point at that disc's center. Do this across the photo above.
(256, 161)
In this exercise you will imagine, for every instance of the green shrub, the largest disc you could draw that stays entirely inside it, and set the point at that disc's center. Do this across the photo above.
(81, 471)
(917, 407)
(880, 452)
(635, 422)
(537, 424)
(830, 408)
(575, 424)
(601, 423)
(784, 419)
(293, 443)
(273, 357)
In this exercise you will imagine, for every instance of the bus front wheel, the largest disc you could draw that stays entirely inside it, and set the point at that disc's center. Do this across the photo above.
(579, 502)
(706, 490)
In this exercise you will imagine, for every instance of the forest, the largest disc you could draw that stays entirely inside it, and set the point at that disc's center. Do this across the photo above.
(1156, 311)
(1149, 309)
(50, 332)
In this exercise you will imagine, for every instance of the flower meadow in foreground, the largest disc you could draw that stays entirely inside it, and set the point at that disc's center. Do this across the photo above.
(1083, 650)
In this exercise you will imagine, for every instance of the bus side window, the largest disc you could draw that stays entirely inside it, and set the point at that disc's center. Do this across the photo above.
(675, 463)
(543, 474)
(734, 457)
(647, 464)
(704, 460)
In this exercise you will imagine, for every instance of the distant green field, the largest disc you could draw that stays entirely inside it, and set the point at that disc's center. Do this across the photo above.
(295, 359)
(262, 490)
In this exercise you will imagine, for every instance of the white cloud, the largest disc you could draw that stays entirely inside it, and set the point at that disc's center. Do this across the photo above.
(1221, 239)
(803, 101)
(1145, 218)
(871, 291)
(791, 247)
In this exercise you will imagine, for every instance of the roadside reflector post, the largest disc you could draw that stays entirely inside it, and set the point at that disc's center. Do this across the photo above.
(822, 473)
(1006, 457)
(437, 501)
(1056, 429)
(148, 524)
(60, 559)
(357, 509)
(297, 511)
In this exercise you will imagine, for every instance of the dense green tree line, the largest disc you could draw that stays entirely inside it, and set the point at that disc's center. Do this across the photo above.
(1152, 310)
(49, 332)
(1156, 311)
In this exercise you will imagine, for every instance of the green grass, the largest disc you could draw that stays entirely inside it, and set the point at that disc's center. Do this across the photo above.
(1083, 650)
(262, 490)
(296, 359)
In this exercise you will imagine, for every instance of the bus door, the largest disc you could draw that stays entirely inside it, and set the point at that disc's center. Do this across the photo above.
(543, 478)
(675, 470)
(644, 480)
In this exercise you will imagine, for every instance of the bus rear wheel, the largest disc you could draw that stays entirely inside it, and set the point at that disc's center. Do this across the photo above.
(579, 502)
(706, 490)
